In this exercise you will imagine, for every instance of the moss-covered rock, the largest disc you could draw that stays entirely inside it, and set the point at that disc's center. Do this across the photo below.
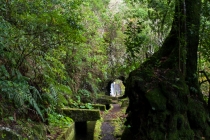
(8, 134)
(82, 115)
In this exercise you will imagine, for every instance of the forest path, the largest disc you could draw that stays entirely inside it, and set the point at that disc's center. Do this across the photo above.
(108, 128)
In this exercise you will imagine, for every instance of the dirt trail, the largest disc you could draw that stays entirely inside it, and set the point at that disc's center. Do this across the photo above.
(107, 128)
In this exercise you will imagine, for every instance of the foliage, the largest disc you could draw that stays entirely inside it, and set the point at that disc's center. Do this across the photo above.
(147, 25)
(204, 32)
(56, 53)
(179, 90)
(204, 50)
(32, 36)
(51, 51)
(135, 37)
(79, 104)
(59, 120)
(18, 91)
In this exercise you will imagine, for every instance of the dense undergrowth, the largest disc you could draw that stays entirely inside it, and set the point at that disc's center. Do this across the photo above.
(62, 53)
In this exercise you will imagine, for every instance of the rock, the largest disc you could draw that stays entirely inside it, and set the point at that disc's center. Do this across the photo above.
(8, 134)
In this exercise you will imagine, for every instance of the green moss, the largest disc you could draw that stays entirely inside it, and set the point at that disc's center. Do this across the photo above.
(97, 130)
(124, 102)
(170, 113)
(67, 133)
(156, 99)
(39, 131)
(118, 127)
(207, 132)
(99, 106)
(111, 107)
(196, 113)
(176, 105)
(104, 101)
(172, 136)
(156, 135)
(81, 115)
(186, 134)
(179, 128)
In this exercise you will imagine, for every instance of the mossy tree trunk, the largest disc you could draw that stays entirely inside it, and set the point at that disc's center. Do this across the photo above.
(165, 99)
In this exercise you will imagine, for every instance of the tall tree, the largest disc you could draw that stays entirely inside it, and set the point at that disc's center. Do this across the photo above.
(165, 99)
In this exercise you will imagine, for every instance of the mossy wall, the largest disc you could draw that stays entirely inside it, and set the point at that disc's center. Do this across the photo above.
(99, 106)
(68, 133)
(104, 101)
(82, 115)
(97, 130)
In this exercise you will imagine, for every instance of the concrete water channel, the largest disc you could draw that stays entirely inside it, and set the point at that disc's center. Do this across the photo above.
(85, 132)
(85, 120)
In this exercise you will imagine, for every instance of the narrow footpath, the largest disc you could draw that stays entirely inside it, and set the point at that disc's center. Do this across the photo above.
(108, 129)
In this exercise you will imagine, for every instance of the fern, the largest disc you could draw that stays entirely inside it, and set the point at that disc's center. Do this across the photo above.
(58, 92)
(53, 94)
(34, 104)
(63, 88)
(4, 73)
(84, 92)
(18, 90)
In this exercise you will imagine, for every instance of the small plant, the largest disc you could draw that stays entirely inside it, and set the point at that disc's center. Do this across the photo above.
(59, 120)
(86, 106)
(84, 92)
(206, 98)
(3, 135)
(89, 106)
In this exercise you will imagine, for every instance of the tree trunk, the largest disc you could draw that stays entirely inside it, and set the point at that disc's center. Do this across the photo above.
(165, 99)
(193, 24)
